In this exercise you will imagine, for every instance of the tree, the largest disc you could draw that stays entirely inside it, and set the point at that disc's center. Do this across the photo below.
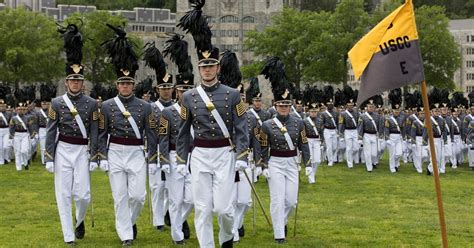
(97, 67)
(440, 53)
(30, 47)
(251, 70)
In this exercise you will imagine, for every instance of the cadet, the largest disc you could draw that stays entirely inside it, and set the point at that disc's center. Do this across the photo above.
(368, 129)
(393, 130)
(127, 120)
(282, 135)
(21, 131)
(72, 125)
(47, 92)
(348, 126)
(328, 124)
(4, 128)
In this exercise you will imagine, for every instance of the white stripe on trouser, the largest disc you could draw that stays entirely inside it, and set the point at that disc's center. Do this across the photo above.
(213, 177)
(127, 175)
(21, 144)
(315, 157)
(352, 146)
(457, 146)
(158, 195)
(175, 184)
(71, 180)
(283, 185)
(4, 135)
(438, 142)
(42, 141)
(242, 201)
(395, 151)
(370, 150)
(330, 139)
(418, 154)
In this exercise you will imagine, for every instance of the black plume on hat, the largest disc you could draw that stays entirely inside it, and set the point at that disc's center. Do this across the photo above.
(328, 96)
(471, 98)
(47, 92)
(458, 100)
(339, 98)
(122, 54)
(4, 91)
(274, 71)
(154, 59)
(73, 43)
(312, 96)
(99, 91)
(349, 94)
(444, 95)
(395, 98)
(435, 98)
(230, 74)
(195, 22)
(253, 90)
(177, 50)
(144, 87)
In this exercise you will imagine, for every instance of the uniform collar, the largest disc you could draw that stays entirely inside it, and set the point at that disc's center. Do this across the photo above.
(211, 88)
(166, 103)
(74, 97)
(282, 118)
(126, 99)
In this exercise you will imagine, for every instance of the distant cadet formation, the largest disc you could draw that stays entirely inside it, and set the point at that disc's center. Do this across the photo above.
(202, 145)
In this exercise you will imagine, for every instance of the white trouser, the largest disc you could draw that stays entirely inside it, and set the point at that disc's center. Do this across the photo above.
(380, 151)
(315, 157)
(71, 180)
(22, 148)
(352, 146)
(341, 150)
(470, 157)
(283, 185)
(7, 147)
(4, 135)
(33, 146)
(438, 142)
(158, 195)
(127, 176)
(330, 139)
(418, 154)
(448, 150)
(395, 150)
(457, 146)
(242, 201)
(370, 150)
(42, 141)
(175, 184)
(213, 178)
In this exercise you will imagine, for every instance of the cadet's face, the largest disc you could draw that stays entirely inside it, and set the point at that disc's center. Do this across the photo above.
(44, 105)
(299, 107)
(421, 114)
(472, 110)
(146, 97)
(435, 112)
(349, 107)
(125, 88)
(283, 110)
(313, 113)
(209, 73)
(396, 112)
(74, 85)
(370, 108)
(180, 94)
(444, 111)
(165, 93)
(257, 104)
(3, 107)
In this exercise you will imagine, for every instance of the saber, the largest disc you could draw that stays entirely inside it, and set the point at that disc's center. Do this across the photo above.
(258, 198)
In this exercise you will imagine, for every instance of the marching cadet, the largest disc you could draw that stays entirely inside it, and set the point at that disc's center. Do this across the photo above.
(416, 136)
(393, 130)
(328, 119)
(439, 132)
(272, 110)
(297, 109)
(164, 88)
(127, 120)
(219, 120)
(4, 127)
(178, 179)
(368, 130)
(282, 135)
(71, 140)
(339, 102)
(47, 92)
(311, 97)
(456, 128)
(21, 131)
(348, 126)
(408, 115)
(254, 97)
(466, 120)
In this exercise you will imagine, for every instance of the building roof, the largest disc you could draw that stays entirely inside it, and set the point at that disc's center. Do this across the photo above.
(461, 24)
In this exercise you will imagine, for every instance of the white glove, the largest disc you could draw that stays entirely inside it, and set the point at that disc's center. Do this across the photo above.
(93, 166)
(166, 168)
(299, 167)
(241, 165)
(182, 169)
(50, 167)
(413, 146)
(104, 165)
(309, 170)
(389, 142)
(37, 136)
(152, 169)
(265, 173)
(360, 142)
(341, 140)
(258, 171)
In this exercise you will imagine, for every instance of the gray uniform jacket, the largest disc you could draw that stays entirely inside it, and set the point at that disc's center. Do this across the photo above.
(194, 112)
(16, 126)
(367, 126)
(417, 129)
(42, 120)
(272, 139)
(437, 132)
(391, 126)
(114, 123)
(465, 127)
(63, 122)
(346, 122)
(254, 136)
(5, 123)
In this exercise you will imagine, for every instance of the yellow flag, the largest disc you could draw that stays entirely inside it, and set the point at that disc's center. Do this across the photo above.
(388, 57)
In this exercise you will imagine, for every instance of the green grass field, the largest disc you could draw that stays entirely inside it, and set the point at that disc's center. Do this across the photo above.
(345, 208)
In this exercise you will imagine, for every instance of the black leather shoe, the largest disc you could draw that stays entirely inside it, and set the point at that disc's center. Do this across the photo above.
(375, 166)
(286, 230)
(396, 169)
(127, 242)
(80, 231)
(181, 242)
(71, 243)
(241, 231)
(135, 231)
(280, 241)
(160, 228)
(186, 230)
(167, 219)
(228, 244)
(428, 172)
